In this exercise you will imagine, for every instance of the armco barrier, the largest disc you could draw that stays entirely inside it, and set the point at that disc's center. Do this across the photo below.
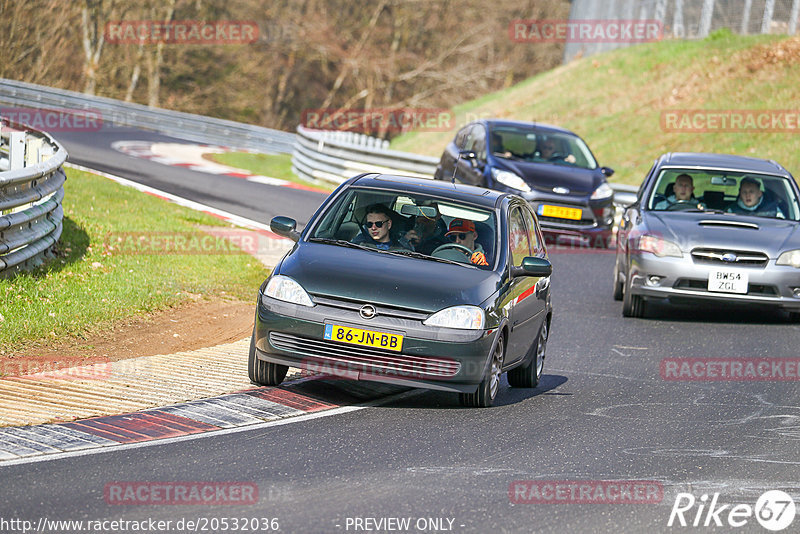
(335, 156)
(173, 123)
(31, 191)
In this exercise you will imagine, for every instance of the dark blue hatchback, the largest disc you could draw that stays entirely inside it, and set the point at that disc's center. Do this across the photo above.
(550, 167)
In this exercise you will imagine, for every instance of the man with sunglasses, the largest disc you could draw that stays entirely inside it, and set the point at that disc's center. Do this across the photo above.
(377, 229)
(462, 232)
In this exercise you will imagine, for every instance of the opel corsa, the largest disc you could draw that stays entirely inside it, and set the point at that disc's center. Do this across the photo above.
(412, 282)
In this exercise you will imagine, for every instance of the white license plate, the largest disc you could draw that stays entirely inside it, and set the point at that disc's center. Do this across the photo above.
(727, 281)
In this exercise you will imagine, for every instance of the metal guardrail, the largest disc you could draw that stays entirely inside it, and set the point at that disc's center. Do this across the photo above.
(335, 156)
(173, 123)
(31, 191)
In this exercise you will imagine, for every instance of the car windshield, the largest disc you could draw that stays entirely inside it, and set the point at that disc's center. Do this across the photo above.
(541, 146)
(735, 193)
(418, 226)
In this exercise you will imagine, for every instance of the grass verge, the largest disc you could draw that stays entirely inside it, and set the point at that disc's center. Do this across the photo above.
(272, 165)
(615, 100)
(94, 283)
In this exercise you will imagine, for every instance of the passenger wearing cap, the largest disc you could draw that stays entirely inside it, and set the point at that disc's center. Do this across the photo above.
(751, 201)
(462, 232)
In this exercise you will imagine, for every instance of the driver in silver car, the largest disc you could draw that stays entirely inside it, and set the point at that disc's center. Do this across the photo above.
(682, 191)
(751, 201)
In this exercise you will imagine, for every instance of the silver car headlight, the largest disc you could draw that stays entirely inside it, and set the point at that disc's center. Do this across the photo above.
(464, 317)
(511, 180)
(288, 290)
(658, 246)
(603, 191)
(791, 258)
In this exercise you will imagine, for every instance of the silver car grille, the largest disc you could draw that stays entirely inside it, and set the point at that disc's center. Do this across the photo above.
(729, 257)
(365, 359)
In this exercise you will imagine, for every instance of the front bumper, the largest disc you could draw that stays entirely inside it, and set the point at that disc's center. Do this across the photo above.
(434, 358)
(593, 229)
(682, 279)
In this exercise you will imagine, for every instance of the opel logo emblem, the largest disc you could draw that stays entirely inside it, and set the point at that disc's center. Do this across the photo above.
(729, 257)
(367, 311)
(560, 190)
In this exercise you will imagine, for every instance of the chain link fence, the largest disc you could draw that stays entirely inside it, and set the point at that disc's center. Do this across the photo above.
(685, 19)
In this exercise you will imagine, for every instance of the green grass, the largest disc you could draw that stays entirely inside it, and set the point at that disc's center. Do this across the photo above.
(272, 165)
(615, 100)
(91, 284)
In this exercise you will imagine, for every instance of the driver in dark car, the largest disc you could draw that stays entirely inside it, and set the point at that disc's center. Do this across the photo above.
(682, 192)
(377, 228)
(462, 232)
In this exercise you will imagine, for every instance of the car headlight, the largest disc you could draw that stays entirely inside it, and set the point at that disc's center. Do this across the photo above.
(790, 257)
(284, 288)
(658, 246)
(510, 179)
(603, 191)
(464, 317)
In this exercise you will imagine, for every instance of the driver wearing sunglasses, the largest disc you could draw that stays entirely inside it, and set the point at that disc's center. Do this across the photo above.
(462, 232)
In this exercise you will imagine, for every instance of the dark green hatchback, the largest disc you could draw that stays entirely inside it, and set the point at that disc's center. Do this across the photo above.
(412, 282)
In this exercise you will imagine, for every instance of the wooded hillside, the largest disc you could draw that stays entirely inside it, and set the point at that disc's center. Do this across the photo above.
(308, 53)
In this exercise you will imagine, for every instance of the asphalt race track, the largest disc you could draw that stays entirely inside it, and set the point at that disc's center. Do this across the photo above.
(603, 412)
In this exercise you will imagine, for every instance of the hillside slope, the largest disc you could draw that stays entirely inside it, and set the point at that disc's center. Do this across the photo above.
(615, 100)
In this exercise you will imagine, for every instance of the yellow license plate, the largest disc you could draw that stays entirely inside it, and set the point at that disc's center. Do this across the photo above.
(561, 212)
(365, 338)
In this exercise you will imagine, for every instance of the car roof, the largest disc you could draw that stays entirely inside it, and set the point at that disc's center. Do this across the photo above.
(459, 192)
(722, 161)
(492, 123)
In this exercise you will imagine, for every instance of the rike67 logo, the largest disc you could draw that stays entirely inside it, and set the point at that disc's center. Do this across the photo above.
(774, 510)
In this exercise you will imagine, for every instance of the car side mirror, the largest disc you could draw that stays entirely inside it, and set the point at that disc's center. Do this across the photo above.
(608, 171)
(532, 266)
(285, 226)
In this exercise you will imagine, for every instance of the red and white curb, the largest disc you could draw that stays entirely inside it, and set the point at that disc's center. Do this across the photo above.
(190, 156)
(225, 412)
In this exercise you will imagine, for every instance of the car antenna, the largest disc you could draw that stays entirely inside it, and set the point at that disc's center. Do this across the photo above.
(466, 154)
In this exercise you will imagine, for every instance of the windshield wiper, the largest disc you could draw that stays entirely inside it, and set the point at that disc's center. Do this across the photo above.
(340, 242)
(420, 255)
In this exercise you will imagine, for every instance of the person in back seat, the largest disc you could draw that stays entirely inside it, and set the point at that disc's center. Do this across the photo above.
(751, 201)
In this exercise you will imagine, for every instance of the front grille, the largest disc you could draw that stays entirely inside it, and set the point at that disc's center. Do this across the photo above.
(755, 290)
(735, 257)
(365, 359)
(354, 306)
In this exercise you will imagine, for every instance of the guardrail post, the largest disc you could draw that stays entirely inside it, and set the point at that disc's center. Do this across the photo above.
(16, 150)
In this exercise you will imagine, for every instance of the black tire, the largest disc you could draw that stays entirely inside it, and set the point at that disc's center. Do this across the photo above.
(618, 285)
(794, 317)
(261, 372)
(632, 305)
(528, 376)
(487, 389)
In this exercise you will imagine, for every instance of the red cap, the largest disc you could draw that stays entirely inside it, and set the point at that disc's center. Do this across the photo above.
(460, 225)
